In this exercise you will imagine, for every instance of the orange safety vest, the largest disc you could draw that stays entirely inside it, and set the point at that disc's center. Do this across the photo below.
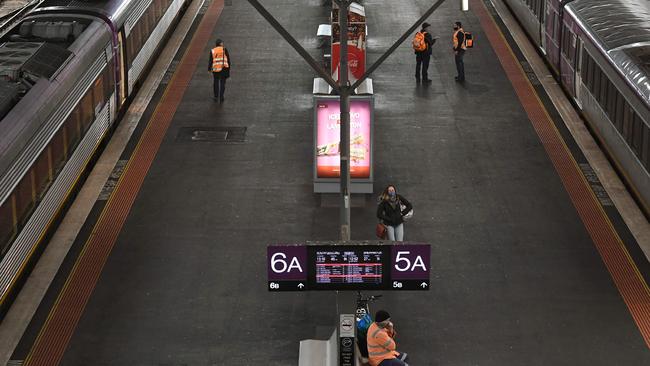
(380, 345)
(219, 59)
(455, 39)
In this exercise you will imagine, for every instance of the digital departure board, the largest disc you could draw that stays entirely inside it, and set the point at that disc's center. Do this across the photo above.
(350, 265)
(401, 266)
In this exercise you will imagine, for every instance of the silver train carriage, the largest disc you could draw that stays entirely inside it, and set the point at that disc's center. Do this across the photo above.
(67, 71)
(600, 51)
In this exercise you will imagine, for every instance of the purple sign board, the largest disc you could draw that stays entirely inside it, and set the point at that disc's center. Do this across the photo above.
(410, 261)
(348, 266)
(287, 267)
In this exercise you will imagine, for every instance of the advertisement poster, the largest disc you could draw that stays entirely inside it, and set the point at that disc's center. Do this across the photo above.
(328, 133)
(356, 43)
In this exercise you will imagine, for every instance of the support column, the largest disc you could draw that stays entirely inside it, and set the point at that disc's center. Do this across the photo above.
(344, 145)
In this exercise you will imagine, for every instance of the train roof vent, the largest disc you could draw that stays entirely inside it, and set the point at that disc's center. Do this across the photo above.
(47, 60)
(13, 55)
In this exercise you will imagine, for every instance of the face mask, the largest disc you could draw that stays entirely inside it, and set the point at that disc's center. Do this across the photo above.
(455, 28)
(392, 194)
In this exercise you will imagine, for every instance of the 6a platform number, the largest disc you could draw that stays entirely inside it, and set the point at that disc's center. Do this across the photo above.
(279, 264)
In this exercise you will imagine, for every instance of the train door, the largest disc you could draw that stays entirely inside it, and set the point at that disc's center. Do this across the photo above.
(577, 76)
(123, 82)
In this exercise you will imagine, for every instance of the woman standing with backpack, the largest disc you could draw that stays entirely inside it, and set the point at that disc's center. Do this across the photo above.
(391, 211)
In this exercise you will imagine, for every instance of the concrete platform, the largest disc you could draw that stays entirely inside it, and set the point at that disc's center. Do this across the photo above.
(518, 279)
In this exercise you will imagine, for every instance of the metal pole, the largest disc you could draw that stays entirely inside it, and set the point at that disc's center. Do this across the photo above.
(287, 36)
(396, 44)
(344, 145)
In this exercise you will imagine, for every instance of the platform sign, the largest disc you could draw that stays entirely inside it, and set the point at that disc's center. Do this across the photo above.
(287, 267)
(410, 265)
(349, 266)
(327, 136)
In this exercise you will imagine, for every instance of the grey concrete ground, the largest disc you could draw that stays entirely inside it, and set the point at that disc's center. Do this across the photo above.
(516, 278)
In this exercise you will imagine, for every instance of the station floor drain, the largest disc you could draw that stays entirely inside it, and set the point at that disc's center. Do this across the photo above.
(212, 134)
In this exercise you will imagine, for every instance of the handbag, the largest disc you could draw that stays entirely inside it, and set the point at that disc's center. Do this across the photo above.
(381, 231)
(409, 214)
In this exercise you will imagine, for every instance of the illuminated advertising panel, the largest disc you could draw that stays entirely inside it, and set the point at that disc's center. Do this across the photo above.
(328, 134)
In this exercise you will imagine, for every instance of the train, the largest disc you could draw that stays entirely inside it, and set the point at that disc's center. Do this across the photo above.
(68, 70)
(599, 50)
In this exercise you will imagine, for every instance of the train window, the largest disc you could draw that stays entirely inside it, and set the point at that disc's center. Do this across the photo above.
(620, 107)
(637, 134)
(42, 172)
(108, 82)
(129, 50)
(646, 147)
(602, 93)
(572, 49)
(6, 225)
(563, 42)
(72, 132)
(145, 22)
(585, 64)
(611, 100)
(87, 109)
(590, 73)
(157, 9)
(628, 115)
(98, 92)
(24, 198)
(596, 76)
(58, 151)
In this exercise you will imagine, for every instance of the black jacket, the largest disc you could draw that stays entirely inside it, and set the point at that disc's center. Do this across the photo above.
(429, 41)
(225, 72)
(393, 216)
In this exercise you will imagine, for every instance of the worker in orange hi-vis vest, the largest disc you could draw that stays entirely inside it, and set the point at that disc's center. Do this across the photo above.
(422, 43)
(460, 46)
(219, 66)
(382, 349)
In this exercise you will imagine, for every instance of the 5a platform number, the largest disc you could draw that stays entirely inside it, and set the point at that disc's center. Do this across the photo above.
(405, 263)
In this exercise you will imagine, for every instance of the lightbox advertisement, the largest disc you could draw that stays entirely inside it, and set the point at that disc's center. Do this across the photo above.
(328, 135)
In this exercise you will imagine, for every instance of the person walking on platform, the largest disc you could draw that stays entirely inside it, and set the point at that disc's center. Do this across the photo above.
(382, 349)
(391, 211)
(422, 43)
(220, 67)
(459, 50)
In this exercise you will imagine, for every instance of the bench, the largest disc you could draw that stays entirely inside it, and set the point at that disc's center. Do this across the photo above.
(314, 352)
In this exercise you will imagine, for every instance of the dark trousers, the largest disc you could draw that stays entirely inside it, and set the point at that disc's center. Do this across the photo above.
(460, 66)
(219, 85)
(401, 360)
(422, 61)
